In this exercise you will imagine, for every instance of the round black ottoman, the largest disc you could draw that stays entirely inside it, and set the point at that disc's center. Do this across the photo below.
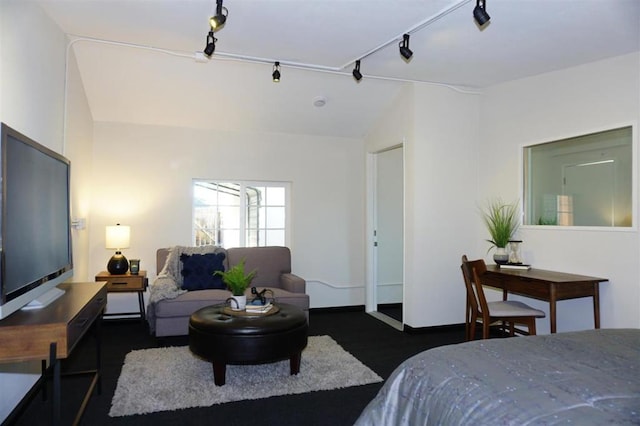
(228, 339)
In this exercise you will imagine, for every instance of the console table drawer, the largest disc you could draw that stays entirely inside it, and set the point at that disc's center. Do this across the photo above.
(79, 325)
(124, 283)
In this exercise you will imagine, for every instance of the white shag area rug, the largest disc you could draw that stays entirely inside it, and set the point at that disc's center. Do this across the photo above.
(173, 378)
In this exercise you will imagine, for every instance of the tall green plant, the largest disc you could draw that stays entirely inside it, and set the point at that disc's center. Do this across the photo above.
(501, 220)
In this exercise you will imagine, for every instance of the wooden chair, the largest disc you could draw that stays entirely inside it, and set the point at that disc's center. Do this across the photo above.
(479, 310)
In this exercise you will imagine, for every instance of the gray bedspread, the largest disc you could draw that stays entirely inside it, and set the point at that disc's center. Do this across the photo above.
(581, 378)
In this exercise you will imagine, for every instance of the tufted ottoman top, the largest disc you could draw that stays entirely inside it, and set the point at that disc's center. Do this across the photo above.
(213, 320)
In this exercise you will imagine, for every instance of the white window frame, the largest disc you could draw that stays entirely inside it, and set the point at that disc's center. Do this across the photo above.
(242, 220)
(529, 221)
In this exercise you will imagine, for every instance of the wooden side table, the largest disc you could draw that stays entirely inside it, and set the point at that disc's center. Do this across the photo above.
(126, 283)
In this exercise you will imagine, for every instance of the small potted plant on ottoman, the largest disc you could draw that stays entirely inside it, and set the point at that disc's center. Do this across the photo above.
(238, 282)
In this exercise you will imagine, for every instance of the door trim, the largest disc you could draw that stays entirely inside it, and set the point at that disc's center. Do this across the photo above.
(371, 300)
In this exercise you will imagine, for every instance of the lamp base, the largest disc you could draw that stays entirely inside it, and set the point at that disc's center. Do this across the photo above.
(118, 264)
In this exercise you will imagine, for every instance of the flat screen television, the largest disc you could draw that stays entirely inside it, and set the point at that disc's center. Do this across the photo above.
(35, 223)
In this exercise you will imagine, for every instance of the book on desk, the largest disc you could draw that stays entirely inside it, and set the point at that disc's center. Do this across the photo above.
(516, 266)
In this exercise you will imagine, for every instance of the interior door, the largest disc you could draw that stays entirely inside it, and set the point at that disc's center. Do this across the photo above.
(389, 225)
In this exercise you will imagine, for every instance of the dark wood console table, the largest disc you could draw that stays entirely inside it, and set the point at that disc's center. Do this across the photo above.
(53, 332)
(544, 285)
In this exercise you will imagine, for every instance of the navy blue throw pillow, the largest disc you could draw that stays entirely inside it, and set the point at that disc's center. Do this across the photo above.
(197, 271)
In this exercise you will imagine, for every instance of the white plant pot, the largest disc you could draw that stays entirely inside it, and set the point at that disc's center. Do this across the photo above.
(239, 303)
(501, 256)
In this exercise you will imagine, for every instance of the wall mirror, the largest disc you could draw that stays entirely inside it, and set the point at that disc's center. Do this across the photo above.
(580, 181)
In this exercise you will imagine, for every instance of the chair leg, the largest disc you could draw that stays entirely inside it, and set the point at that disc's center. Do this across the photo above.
(467, 327)
(512, 329)
(467, 322)
(532, 327)
(472, 327)
(485, 329)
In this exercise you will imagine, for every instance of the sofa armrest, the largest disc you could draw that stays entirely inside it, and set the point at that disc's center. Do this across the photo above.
(164, 287)
(292, 283)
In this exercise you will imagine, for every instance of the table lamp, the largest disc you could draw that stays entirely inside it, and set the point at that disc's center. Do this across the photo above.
(117, 238)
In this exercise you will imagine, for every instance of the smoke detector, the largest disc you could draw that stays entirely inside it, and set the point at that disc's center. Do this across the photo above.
(319, 101)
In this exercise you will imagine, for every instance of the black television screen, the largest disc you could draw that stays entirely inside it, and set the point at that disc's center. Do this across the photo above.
(35, 221)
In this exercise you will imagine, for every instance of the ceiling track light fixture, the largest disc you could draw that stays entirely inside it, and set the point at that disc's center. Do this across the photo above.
(356, 71)
(211, 44)
(480, 13)
(276, 72)
(216, 22)
(404, 47)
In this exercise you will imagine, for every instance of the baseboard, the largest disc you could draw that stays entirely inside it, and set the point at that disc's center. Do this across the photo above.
(434, 329)
(407, 329)
(389, 305)
(353, 308)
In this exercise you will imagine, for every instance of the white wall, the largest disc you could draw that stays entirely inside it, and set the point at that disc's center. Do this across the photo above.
(78, 149)
(441, 179)
(439, 128)
(460, 149)
(32, 79)
(394, 127)
(455, 161)
(571, 102)
(33, 84)
(463, 149)
(142, 177)
(32, 69)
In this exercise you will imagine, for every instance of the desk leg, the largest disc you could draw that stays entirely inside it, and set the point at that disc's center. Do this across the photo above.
(44, 380)
(596, 305)
(55, 363)
(98, 327)
(552, 308)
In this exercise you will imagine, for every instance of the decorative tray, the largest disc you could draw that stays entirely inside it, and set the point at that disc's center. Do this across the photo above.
(228, 311)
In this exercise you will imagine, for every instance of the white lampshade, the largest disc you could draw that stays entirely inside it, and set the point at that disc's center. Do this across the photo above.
(117, 237)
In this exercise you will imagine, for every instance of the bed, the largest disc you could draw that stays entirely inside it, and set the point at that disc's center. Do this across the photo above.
(582, 378)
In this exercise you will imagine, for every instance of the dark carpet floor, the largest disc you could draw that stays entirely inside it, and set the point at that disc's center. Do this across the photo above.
(379, 346)
(392, 310)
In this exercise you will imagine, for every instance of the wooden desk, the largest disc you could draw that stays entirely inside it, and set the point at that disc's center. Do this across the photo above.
(53, 332)
(549, 286)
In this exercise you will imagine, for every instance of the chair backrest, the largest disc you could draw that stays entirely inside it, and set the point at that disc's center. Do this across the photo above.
(472, 270)
(467, 274)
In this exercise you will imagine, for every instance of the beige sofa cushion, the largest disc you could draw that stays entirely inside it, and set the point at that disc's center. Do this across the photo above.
(269, 262)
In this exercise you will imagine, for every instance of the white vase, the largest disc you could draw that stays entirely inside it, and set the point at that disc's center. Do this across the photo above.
(501, 256)
(239, 303)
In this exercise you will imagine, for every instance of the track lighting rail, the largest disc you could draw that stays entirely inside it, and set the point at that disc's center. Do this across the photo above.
(257, 60)
(399, 37)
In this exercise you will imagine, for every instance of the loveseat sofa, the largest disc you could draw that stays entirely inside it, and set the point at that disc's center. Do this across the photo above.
(171, 305)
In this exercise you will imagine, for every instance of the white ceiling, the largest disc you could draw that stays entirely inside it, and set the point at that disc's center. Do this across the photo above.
(147, 73)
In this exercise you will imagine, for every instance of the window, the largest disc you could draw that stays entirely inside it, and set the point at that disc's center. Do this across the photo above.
(240, 214)
(581, 181)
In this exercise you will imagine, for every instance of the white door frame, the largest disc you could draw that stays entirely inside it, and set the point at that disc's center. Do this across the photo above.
(371, 299)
